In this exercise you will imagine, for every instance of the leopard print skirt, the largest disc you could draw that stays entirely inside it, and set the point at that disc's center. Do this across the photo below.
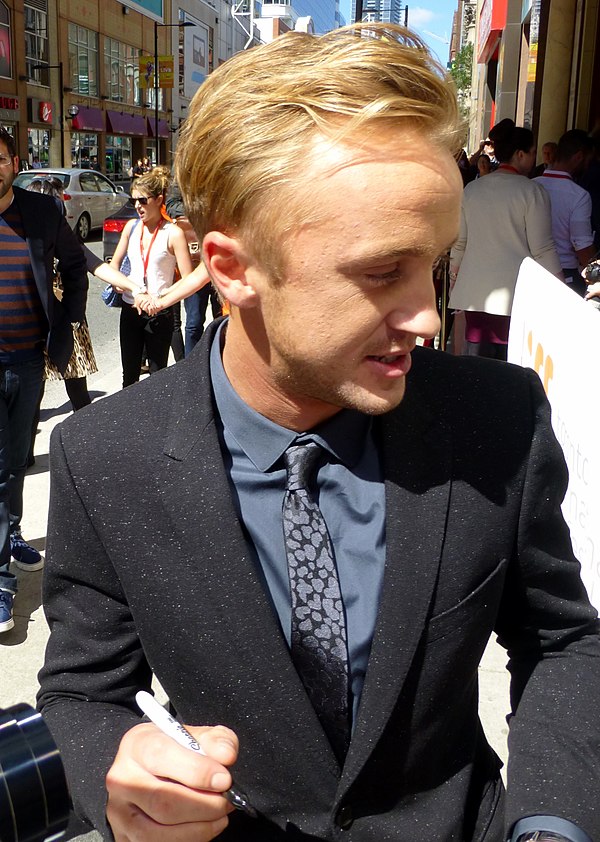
(82, 362)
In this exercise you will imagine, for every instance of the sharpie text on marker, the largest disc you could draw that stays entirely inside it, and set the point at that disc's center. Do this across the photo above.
(161, 717)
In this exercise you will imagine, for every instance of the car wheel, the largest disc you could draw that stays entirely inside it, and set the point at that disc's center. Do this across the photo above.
(82, 229)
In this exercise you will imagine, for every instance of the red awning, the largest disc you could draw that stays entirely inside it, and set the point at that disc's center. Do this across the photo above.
(163, 128)
(130, 124)
(492, 21)
(88, 119)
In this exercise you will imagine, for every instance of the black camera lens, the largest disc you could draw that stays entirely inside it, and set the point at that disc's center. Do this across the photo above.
(34, 799)
(592, 273)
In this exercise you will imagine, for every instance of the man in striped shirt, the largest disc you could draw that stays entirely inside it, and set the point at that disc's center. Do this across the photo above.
(33, 233)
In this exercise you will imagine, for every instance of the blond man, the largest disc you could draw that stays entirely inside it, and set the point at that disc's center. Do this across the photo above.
(313, 527)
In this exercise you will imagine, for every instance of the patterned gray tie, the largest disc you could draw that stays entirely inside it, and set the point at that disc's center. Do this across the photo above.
(318, 641)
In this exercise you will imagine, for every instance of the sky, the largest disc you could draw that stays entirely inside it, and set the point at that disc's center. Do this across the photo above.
(432, 20)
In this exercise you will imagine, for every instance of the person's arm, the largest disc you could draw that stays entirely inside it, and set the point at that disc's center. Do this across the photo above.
(593, 291)
(538, 230)
(181, 289)
(73, 272)
(477, 154)
(121, 249)
(94, 665)
(457, 251)
(178, 245)
(552, 636)
(106, 272)
(584, 255)
(580, 230)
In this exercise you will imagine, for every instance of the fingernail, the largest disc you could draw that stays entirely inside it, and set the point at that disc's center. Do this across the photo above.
(220, 782)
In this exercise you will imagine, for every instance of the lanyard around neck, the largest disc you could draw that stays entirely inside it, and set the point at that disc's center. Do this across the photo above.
(557, 175)
(146, 257)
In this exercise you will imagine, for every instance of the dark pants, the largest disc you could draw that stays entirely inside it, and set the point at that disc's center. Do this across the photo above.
(137, 331)
(575, 282)
(79, 396)
(195, 314)
(491, 350)
(19, 392)
(177, 338)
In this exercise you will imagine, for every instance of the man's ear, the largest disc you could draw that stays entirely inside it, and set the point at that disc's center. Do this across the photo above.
(227, 263)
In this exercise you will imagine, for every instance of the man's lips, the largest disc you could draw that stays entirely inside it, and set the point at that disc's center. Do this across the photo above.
(392, 364)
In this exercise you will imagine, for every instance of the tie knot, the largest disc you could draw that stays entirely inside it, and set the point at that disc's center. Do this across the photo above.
(300, 462)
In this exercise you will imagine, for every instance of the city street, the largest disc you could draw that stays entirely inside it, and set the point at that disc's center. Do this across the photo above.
(22, 649)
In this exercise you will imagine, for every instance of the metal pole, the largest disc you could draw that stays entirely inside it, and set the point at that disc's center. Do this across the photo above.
(358, 14)
(62, 114)
(156, 81)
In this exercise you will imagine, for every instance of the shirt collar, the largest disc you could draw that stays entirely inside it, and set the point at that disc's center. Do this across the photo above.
(264, 441)
(558, 173)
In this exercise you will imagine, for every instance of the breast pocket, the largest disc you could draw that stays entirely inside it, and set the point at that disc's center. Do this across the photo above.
(480, 605)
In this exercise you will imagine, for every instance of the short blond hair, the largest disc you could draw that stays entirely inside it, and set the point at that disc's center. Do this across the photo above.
(252, 124)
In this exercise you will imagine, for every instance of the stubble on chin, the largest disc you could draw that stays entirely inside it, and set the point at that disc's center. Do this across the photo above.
(313, 388)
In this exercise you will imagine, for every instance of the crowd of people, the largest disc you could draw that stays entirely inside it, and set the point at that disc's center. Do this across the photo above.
(311, 526)
(519, 210)
(35, 293)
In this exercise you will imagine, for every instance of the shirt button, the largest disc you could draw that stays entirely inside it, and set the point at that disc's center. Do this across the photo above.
(344, 818)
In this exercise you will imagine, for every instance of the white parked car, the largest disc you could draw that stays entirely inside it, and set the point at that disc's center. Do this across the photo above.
(89, 196)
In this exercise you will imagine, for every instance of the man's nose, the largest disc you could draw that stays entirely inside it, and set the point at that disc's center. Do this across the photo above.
(415, 310)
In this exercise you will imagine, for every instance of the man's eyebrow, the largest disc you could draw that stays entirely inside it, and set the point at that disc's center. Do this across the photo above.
(387, 256)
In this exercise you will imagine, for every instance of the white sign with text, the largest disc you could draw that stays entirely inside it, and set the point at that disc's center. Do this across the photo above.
(557, 333)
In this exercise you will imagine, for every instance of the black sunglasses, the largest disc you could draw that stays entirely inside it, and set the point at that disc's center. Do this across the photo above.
(141, 200)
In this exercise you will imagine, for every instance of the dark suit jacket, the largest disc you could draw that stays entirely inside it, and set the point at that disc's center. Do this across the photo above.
(48, 236)
(149, 569)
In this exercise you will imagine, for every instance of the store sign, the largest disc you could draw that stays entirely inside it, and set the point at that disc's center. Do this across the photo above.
(9, 103)
(45, 112)
(492, 21)
(485, 25)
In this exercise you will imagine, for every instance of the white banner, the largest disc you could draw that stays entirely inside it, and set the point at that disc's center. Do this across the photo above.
(197, 55)
(557, 333)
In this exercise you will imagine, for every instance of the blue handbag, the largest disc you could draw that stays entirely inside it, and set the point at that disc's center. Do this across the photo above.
(111, 297)
(109, 294)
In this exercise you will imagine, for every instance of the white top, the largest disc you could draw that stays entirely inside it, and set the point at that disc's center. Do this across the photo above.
(505, 217)
(571, 215)
(161, 263)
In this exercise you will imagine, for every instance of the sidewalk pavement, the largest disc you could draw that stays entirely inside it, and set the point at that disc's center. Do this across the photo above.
(22, 649)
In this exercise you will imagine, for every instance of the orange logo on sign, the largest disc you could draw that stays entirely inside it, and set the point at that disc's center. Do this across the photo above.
(542, 363)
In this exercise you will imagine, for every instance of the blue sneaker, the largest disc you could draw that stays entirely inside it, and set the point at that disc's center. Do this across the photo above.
(6, 610)
(25, 556)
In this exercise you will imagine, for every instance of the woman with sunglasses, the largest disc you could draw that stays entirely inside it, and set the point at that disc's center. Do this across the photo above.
(155, 248)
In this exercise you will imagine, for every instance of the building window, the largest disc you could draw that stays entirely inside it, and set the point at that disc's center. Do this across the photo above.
(121, 71)
(83, 60)
(5, 42)
(118, 157)
(83, 147)
(38, 147)
(36, 43)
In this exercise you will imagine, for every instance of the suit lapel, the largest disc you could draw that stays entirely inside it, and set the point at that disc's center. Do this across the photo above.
(416, 450)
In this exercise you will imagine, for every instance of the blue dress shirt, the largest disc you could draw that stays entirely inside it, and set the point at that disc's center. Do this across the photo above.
(350, 492)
